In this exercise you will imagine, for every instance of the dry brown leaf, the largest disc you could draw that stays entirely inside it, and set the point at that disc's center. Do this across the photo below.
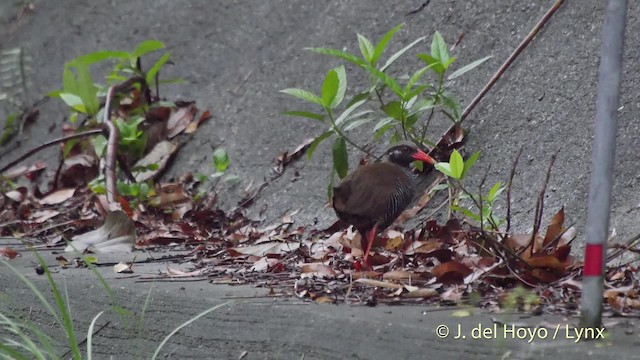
(423, 247)
(159, 155)
(123, 268)
(554, 230)
(325, 300)
(58, 197)
(317, 269)
(117, 234)
(451, 272)
(180, 119)
(399, 275)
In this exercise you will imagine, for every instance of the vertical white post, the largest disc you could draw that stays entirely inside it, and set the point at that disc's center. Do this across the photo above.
(603, 157)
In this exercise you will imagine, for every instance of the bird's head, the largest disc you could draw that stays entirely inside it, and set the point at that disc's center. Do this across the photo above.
(404, 154)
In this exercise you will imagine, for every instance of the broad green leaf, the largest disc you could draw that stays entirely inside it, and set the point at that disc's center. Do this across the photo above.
(99, 56)
(469, 163)
(415, 92)
(432, 63)
(439, 49)
(495, 191)
(468, 67)
(444, 168)
(221, 159)
(345, 114)
(342, 86)
(410, 121)
(144, 48)
(340, 157)
(339, 54)
(357, 123)
(456, 164)
(305, 114)
(68, 146)
(69, 81)
(330, 88)
(366, 48)
(466, 212)
(383, 44)
(87, 89)
(330, 186)
(396, 138)
(74, 101)
(400, 52)
(303, 95)
(418, 165)
(394, 109)
(99, 145)
(150, 78)
(314, 144)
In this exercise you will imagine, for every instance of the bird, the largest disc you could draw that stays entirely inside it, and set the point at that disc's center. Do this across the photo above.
(373, 196)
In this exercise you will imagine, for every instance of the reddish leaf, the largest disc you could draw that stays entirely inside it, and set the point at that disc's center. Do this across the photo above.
(451, 272)
(8, 252)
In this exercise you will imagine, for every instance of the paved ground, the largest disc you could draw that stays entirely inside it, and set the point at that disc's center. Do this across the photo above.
(237, 55)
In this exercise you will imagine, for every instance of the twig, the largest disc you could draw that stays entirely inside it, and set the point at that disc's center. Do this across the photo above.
(509, 185)
(85, 340)
(510, 59)
(540, 202)
(112, 149)
(419, 8)
(48, 144)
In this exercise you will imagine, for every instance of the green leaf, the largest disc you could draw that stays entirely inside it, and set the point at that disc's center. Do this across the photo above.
(342, 86)
(444, 168)
(330, 88)
(421, 105)
(468, 67)
(396, 138)
(357, 123)
(400, 52)
(383, 44)
(466, 212)
(359, 97)
(469, 163)
(415, 92)
(69, 81)
(144, 48)
(99, 145)
(415, 78)
(73, 101)
(432, 63)
(383, 130)
(495, 191)
(151, 74)
(340, 157)
(366, 48)
(86, 89)
(383, 123)
(345, 114)
(221, 159)
(303, 95)
(394, 109)
(305, 114)
(439, 49)
(99, 56)
(314, 144)
(339, 54)
(450, 102)
(456, 164)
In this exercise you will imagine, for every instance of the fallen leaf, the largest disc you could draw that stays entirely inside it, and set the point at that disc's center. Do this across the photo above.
(180, 119)
(421, 293)
(399, 275)
(451, 272)
(317, 269)
(554, 230)
(462, 313)
(58, 197)
(123, 268)
(378, 283)
(159, 155)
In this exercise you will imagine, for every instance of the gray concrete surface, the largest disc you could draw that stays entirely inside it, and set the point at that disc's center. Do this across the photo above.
(236, 55)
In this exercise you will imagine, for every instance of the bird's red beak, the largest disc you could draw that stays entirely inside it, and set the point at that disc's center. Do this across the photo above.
(422, 156)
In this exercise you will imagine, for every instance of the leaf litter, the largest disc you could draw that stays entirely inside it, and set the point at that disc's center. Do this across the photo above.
(434, 263)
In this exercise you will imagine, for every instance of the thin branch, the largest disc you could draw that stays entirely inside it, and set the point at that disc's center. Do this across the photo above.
(511, 58)
(48, 144)
(540, 202)
(509, 185)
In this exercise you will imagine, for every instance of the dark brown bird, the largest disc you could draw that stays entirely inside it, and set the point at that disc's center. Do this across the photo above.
(374, 195)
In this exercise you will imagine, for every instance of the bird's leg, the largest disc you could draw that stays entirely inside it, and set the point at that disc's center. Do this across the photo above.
(371, 235)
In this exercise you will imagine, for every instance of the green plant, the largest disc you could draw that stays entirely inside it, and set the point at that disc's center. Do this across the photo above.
(404, 106)
(456, 170)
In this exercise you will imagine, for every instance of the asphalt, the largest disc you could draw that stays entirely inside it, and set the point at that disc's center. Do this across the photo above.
(235, 56)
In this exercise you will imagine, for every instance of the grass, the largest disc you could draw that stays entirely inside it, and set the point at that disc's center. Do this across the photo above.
(23, 339)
